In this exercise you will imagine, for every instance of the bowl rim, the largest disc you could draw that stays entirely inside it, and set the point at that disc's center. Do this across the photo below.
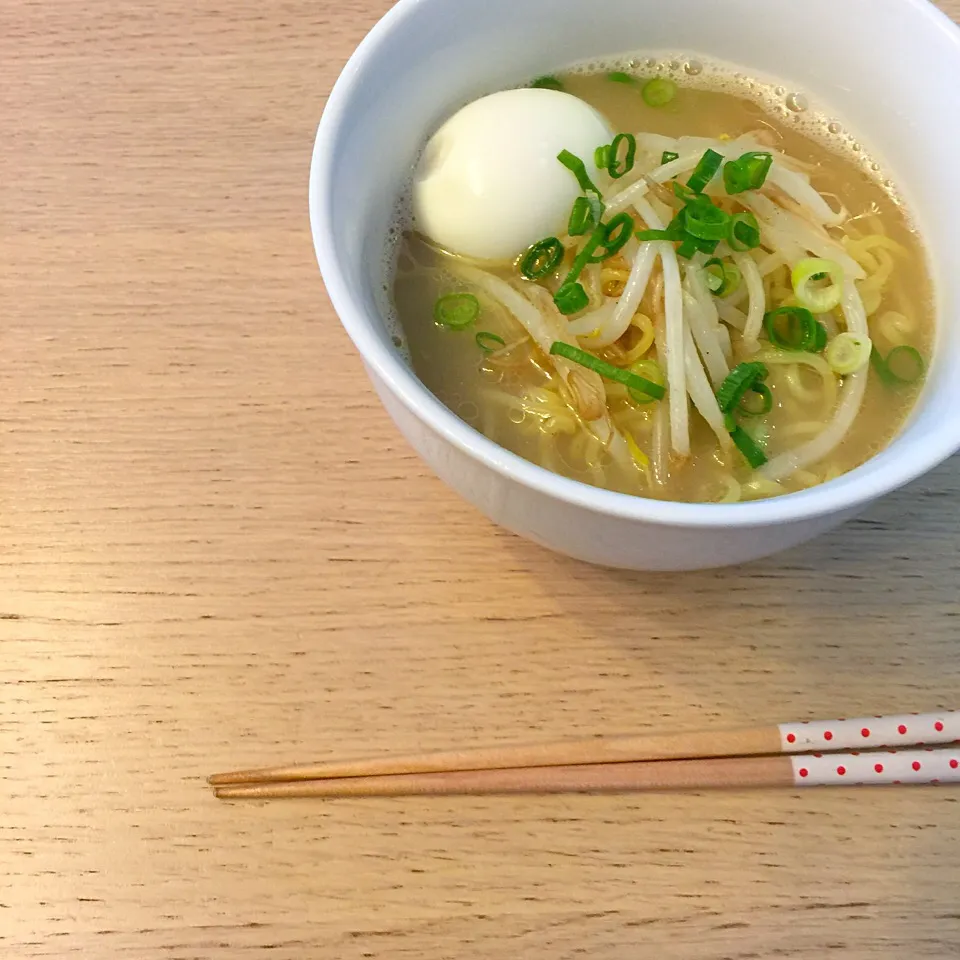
(848, 493)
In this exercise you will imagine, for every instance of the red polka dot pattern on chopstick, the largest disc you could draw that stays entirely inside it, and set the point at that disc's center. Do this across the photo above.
(867, 732)
(890, 767)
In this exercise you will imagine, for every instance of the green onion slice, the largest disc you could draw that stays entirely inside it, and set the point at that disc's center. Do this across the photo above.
(734, 178)
(794, 328)
(585, 256)
(656, 235)
(744, 232)
(762, 391)
(542, 259)
(722, 277)
(715, 276)
(668, 157)
(705, 170)
(547, 83)
(848, 353)
(608, 370)
(571, 298)
(658, 92)
(488, 342)
(821, 341)
(743, 377)
(601, 157)
(648, 370)
(456, 310)
(675, 230)
(707, 222)
(818, 284)
(693, 245)
(613, 165)
(903, 365)
(747, 173)
(619, 77)
(581, 217)
(576, 166)
(748, 447)
(615, 235)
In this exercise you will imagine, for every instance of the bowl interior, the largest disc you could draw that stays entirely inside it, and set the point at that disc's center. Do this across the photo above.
(887, 69)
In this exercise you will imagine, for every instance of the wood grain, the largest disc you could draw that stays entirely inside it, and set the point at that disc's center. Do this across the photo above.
(215, 552)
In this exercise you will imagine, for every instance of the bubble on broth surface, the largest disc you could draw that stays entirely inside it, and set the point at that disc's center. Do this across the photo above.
(468, 411)
(388, 270)
(796, 102)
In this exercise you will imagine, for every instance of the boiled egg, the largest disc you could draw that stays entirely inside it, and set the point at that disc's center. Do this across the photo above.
(489, 183)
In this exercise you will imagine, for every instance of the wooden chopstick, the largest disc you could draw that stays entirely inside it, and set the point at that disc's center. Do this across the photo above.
(877, 768)
(785, 738)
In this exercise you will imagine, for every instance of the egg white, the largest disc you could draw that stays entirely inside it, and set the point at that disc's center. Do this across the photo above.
(489, 183)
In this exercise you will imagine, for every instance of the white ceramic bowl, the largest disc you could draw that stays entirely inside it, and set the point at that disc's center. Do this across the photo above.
(888, 69)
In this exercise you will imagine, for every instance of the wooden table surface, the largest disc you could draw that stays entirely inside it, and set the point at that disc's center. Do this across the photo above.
(216, 551)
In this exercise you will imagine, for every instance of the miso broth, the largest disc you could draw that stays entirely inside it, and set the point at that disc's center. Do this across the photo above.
(507, 386)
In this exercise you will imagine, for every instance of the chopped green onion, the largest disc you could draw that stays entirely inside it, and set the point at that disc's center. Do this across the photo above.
(656, 235)
(743, 377)
(616, 233)
(668, 157)
(649, 370)
(744, 232)
(613, 166)
(488, 342)
(581, 217)
(576, 166)
(542, 259)
(705, 170)
(747, 173)
(620, 77)
(903, 365)
(585, 256)
(707, 222)
(733, 276)
(692, 245)
(456, 310)
(766, 401)
(812, 271)
(658, 92)
(748, 447)
(571, 298)
(794, 328)
(677, 227)
(601, 156)
(821, 341)
(547, 83)
(715, 275)
(848, 353)
(607, 370)
(722, 278)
